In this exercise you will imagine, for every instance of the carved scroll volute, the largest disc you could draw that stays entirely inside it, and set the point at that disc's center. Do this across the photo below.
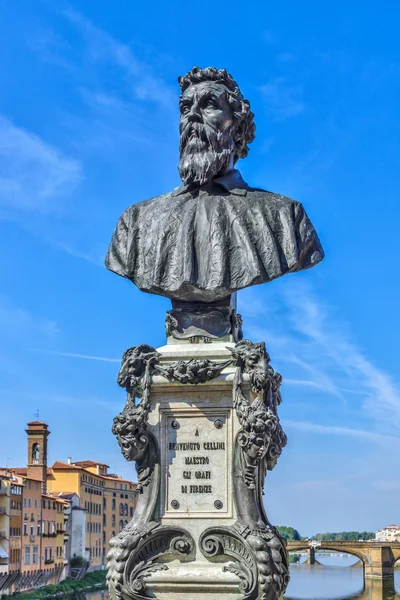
(166, 542)
(219, 542)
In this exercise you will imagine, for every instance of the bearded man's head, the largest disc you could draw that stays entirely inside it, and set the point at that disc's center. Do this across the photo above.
(216, 124)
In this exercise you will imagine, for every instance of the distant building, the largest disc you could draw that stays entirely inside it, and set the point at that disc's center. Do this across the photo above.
(69, 510)
(109, 502)
(391, 533)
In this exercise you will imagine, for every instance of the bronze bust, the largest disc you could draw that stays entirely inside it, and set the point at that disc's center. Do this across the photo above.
(215, 234)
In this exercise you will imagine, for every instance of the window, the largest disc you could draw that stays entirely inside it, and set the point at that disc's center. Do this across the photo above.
(121, 509)
(45, 554)
(121, 525)
(48, 504)
(35, 502)
(126, 510)
(32, 530)
(131, 511)
(27, 555)
(113, 534)
(113, 504)
(125, 487)
(35, 555)
(38, 529)
(24, 502)
(113, 521)
(29, 502)
(25, 528)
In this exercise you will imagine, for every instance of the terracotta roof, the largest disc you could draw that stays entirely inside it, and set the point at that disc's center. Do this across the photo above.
(37, 423)
(18, 470)
(61, 465)
(90, 463)
(65, 495)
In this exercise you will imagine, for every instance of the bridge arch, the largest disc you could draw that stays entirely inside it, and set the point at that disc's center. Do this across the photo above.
(341, 549)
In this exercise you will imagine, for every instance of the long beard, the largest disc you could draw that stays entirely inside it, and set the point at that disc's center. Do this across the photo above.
(204, 152)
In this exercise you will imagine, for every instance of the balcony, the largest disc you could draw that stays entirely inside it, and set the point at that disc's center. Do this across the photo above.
(49, 561)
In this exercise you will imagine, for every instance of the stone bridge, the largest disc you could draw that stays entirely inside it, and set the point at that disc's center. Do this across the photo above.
(378, 558)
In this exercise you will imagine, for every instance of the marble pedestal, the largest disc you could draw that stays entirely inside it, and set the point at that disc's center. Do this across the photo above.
(203, 436)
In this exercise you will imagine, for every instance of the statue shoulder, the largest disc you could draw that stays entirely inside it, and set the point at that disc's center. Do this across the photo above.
(272, 199)
(134, 210)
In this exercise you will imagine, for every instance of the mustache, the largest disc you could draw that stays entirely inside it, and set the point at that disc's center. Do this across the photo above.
(199, 131)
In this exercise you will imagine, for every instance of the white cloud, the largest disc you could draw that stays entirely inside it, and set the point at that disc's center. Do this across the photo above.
(341, 431)
(83, 356)
(283, 100)
(33, 173)
(101, 47)
(310, 337)
(327, 336)
(18, 321)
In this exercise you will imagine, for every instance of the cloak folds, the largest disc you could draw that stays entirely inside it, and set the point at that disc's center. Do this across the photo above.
(201, 244)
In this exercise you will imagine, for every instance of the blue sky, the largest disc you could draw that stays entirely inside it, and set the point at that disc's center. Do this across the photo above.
(88, 126)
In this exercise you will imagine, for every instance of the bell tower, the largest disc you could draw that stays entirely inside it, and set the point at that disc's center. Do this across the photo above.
(37, 451)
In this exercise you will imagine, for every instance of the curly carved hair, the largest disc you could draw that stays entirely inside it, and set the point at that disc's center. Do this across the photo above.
(243, 117)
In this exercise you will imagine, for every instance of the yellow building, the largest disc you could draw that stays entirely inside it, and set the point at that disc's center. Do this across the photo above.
(109, 502)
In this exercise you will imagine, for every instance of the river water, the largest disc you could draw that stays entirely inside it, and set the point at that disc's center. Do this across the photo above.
(334, 579)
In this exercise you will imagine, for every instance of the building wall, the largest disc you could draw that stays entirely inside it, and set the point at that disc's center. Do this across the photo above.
(49, 532)
(109, 503)
(78, 533)
(59, 561)
(15, 531)
(31, 526)
(5, 491)
(120, 499)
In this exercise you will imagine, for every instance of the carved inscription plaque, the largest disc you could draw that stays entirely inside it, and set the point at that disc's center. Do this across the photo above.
(196, 460)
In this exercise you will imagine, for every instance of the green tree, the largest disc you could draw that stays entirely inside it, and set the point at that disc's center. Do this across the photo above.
(289, 533)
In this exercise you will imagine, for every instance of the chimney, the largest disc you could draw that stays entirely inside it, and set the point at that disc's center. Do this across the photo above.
(69, 460)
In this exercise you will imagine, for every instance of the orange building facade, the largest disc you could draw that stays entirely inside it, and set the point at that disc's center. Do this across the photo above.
(38, 504)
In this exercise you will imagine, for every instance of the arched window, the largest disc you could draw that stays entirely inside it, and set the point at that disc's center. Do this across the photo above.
(121, 525)
(121, 509)
(35, 453)
(126, 510)
(113, 534)
(113, 504)
(113, 521)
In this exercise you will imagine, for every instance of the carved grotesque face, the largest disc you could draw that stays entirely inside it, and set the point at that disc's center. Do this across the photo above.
(133, 446)
(207, 146)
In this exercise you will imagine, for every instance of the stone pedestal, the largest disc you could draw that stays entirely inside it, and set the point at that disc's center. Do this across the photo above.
(203, 436)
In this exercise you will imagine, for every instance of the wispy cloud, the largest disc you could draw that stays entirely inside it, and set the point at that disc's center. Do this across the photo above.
(283, 99)
(103, 48)
(319, 324)
(83, 356)
(18, 321)
(337, 430)
(315, 342)
(34, 174)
